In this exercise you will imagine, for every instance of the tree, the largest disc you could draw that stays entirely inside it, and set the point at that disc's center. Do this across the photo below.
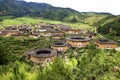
(4, 53)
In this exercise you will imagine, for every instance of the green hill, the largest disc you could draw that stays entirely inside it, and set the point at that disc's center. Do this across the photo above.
(110, 27)
(92, 19)
(19, 8)
(32, 21)
(107, 24)
(13, 9)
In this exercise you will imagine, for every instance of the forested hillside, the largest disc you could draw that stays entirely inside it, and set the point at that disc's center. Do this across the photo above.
(94, 18)
(111, 27)
(81, 63)
(21, 8)
(105, 22)
(18, 8)
(89, 64)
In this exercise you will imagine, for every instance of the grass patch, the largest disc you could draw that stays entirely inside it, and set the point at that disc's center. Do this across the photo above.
(32, 21)
(6, 17)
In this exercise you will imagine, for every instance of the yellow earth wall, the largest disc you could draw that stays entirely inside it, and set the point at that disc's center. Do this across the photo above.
(64, 48)
(41, 60)
(76, 44)
(104, 46)
(56, 37)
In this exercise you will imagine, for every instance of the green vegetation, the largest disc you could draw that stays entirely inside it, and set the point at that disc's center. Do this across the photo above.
(32, 21)
(4, 52)
(48, 13)
(107, 25)
(18, 8)
(94, 18)
(112, 29)
(89, 64)
(19, 21)
(6, 17)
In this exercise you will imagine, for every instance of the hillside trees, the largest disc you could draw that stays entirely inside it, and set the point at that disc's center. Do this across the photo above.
(90, 63)
(98, 64)
(4, 52)
(20, 8)
(112, 28)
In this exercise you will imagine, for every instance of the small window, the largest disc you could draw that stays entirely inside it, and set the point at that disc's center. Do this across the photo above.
(107, 46)
(48, 60)
(79, 45)
(60, 49)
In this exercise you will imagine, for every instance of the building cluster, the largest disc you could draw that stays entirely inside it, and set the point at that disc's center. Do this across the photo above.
(41, 55)
(22, 30)
(44, 29)
(47, 55)
(56, 31)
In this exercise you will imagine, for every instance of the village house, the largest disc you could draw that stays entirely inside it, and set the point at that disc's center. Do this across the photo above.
(52, 32)
(20, 34)
(90, 34)
(68, 31)
(72, 31)
(41, 55)
(41, 23)
(56, 36)
(62, 27)
(78, 31)
(9, 32)
(42, 29)
(22, 30)
(105, 44)
(60, 46)
(81, 31)
(47, 26)
(11, 28)
(46, 33)
(34, 35)
(78, 41)
(25, 29)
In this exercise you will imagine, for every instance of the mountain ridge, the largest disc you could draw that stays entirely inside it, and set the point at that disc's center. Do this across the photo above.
(19, 8)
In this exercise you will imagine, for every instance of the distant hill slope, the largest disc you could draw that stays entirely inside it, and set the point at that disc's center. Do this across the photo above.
(105, 22)
(93, 19)
(21, 8)
(110, 26)
(33, 21)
